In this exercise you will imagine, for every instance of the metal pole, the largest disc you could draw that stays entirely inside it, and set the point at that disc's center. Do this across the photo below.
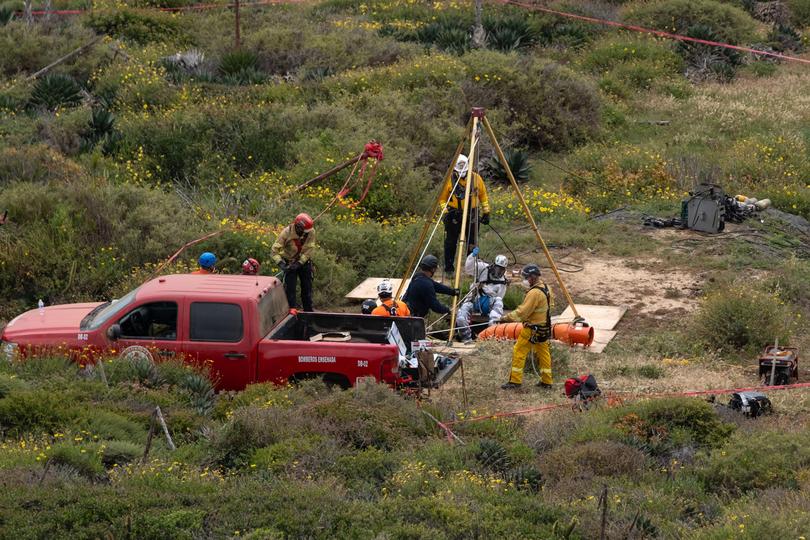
(477, 114)
(528, 213)
(432, 214)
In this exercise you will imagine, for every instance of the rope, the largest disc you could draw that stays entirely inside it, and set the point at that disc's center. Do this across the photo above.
(659, 33)
(514, 257)
(693, 393)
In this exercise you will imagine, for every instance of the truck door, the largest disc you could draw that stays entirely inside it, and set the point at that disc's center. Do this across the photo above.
(219, 336)
(150, 331)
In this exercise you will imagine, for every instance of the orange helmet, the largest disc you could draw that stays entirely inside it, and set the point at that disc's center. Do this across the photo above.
(250, 267)
(305, 222)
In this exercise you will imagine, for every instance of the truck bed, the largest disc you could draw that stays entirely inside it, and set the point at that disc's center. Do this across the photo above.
(361, 328)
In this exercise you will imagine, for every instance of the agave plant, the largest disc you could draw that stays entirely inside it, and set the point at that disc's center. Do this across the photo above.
(455, 40)
(6, 14)
(493, 455)
(518, 161)
(56, 90)
(201, 392)
(238, 61)
(102, 122)
(525, 477)
(511, 34)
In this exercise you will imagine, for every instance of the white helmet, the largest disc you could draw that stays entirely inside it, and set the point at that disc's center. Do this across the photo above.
(501, 261)
(461, 165)
(385, 288)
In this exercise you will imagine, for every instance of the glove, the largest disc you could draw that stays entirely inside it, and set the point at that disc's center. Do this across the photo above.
(485, 219)
(456, 292)
(282, 265)
(295, 265)
(503, 319)
(475, 251)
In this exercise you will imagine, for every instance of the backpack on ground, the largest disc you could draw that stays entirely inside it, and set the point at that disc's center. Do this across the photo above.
(583, 390)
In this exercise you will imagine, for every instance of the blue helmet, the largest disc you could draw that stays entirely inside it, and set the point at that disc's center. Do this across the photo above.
(207, 260)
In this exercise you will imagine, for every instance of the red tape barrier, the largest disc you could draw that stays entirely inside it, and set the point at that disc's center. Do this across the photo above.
(446, 426)
(659, 33)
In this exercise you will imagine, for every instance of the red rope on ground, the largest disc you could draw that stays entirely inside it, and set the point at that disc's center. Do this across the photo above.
(550, 406)
(659, 33)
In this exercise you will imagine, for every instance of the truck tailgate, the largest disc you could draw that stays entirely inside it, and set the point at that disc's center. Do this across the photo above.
(281, 360)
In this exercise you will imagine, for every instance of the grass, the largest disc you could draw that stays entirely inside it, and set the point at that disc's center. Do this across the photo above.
(102, 189)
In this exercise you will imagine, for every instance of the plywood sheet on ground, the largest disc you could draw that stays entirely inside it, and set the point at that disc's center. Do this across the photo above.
(601, 317)
(368, 288)
(601, 339)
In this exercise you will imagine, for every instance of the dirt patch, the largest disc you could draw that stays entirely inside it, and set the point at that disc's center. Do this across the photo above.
(646, 286)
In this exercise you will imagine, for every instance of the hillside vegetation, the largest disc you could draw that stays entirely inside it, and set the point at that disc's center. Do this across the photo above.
(163, 131)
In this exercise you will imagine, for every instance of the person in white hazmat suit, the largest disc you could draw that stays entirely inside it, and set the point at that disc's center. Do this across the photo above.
(486, 292)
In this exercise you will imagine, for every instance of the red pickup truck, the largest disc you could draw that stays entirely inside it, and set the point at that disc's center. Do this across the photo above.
(240, 325)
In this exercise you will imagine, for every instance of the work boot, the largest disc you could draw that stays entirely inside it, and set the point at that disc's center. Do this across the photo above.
(543, 385)
(510, 386)
(466, 341)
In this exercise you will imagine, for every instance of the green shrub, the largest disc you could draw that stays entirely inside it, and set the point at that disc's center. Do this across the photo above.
(799, 12)
(248, 429)
(137, 26)
(9, 384)
(27, 49)
(119, 452)
(366, 470)
(34, 411)
(87, 236)
(587, 460)
(54, 91)
(549, 106)
(630, 63)
(660, 425)
(110, 425)
(84, 460)
(742, 318)
(728, 23)
(705, 61)
(759, 460)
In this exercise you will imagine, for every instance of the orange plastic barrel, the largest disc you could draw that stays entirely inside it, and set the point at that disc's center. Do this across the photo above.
(501, 331)
(568, 333)
(573, 334)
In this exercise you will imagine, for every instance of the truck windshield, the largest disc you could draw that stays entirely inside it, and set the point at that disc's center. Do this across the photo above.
(272, 308)
(105, 311)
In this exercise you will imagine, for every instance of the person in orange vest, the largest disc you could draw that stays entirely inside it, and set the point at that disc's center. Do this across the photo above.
(207, 262)
(388, 306)
(454, 199)
(292, 252)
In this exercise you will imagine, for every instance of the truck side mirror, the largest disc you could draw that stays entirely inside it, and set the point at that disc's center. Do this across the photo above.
(114, 332)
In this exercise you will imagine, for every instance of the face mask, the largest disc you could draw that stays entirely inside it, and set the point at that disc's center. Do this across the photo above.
(526, 284)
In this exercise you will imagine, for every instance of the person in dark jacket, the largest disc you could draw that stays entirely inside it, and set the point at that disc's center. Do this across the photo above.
(421, 293)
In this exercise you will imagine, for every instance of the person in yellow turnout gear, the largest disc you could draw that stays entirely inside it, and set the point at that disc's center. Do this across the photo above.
(455, 208)
(535, 315)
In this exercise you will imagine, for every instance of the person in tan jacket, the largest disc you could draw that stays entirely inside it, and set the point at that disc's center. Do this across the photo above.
(535, 315)
(292, 252)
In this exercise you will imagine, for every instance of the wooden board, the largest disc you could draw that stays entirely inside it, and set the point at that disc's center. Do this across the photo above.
(601, 317)
(601, 339)
(368, 288)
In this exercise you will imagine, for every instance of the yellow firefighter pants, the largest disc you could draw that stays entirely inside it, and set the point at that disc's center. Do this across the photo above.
(521, 351)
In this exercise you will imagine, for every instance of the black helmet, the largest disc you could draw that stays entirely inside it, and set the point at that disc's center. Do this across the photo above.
(530, 270)
(368, 306)
(429, 262)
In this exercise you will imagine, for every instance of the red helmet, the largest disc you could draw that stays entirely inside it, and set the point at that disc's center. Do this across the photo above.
(305, 221)
(250, 267)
